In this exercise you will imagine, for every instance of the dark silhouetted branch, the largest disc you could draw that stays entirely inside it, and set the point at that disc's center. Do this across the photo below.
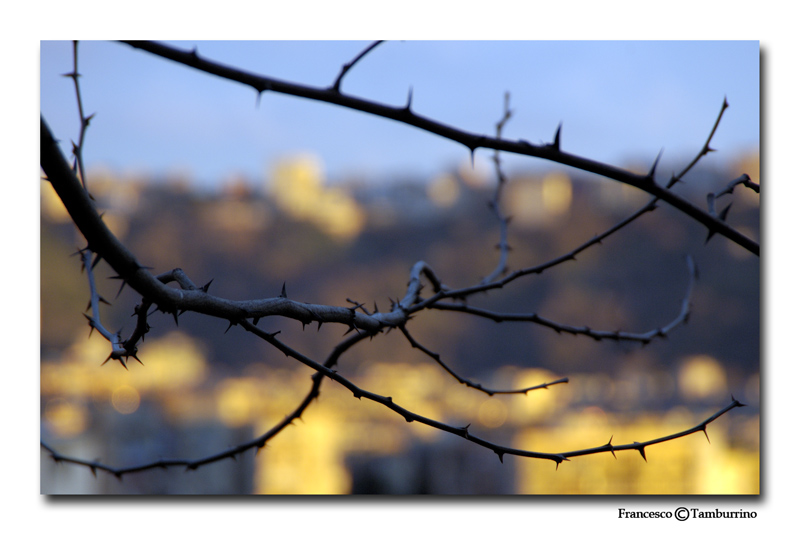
(551, 152)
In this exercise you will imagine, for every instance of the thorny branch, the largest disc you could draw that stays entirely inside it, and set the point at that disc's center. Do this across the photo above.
(494, 204)
(404, 114)
(157, 295)
(77, 148)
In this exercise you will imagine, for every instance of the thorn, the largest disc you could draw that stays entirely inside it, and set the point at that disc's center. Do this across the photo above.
(231, 324)
(91, 322)
(611, 448)
(706, 434)
(500, 455)
(737, 402)
(556, 144)
(408, 100)
(651, 175)
(207, 285)
(724, 213)
(122, 286)
(283, 291)
(640, 449)
(175, 315)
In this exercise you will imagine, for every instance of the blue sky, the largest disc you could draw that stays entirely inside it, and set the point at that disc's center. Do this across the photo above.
(618, 100)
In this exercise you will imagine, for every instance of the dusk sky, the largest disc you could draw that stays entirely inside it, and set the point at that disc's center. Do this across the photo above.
(619, 101)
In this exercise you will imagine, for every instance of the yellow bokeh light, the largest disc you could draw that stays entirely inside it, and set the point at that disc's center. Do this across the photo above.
(125, 399)
(492, 413)
(298, 188)
(444, 190)
(556, 193)
(536, 405)
(236, 400)
(539, 201)
(65, 418)
(702, 377)
(173, 361)
(51, 205)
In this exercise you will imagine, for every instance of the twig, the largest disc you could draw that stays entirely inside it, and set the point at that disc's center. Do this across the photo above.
(494, 204)
(347, 66)
(409, 416)
(464, 381)
(644, 338)
(77, 149)
(743, 180)
(118, 351)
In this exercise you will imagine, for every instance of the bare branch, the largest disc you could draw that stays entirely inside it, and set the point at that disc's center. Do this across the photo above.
(743, 180)
(471, 141)
(347, 66)
(409, 416)
(77, 149)
(598, 335)
(467, 382)
(494, 204)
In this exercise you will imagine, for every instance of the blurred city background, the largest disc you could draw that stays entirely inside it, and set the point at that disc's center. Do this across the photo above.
(202, 390)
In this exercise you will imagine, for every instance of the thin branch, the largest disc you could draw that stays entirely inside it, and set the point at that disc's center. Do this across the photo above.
(409, 416)
(572, 255)
(703, 151)
(640, 446)
(347, 66)
(494, 204)
(598, 335)
(467, 382)
(77, 149)
(403, 114)
(743, 180)
(118, 350)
